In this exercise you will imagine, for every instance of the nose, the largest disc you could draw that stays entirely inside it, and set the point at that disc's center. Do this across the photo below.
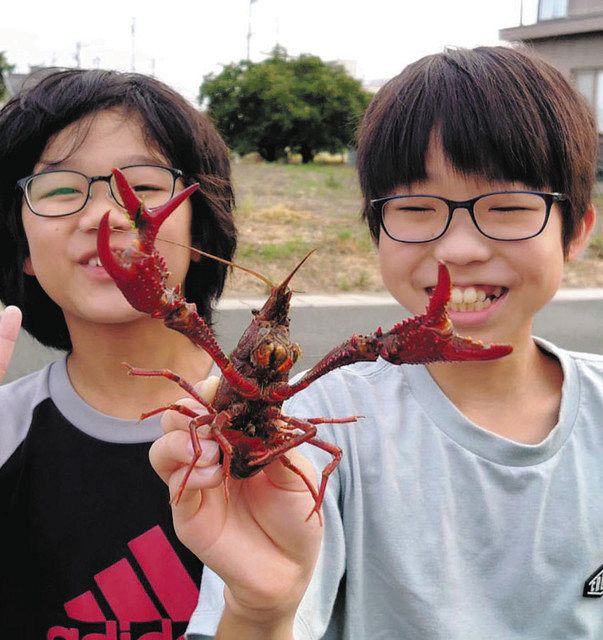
(100, 201)
(462, 243)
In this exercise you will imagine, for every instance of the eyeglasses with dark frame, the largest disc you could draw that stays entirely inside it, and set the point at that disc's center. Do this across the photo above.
(500, 215)
(61, 192)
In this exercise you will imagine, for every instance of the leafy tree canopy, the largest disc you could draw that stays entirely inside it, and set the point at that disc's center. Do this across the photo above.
(5, 68)
(302, 103)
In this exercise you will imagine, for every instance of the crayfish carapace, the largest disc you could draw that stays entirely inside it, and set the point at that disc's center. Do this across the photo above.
(245, 416)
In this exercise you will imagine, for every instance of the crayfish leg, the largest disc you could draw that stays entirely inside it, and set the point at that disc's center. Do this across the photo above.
(223, 420)
(170, 375)
(170, 407)
(334, 420)
(326, 472)
(196, 422)
(287, 463)
(308, 429)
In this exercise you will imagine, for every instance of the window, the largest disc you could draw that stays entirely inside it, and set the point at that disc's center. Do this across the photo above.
(590, 83)
(551, 9)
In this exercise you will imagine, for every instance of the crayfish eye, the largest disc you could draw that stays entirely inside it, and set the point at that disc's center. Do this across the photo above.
(275, 356)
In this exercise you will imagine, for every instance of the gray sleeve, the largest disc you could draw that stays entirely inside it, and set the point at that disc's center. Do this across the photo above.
(18, 400)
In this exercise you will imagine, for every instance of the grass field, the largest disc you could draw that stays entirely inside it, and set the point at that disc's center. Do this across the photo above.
(284, 211)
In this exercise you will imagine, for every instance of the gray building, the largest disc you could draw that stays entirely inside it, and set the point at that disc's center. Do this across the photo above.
(14, 82)
(569, 34)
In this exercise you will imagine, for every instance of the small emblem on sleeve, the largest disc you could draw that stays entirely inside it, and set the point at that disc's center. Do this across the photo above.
(593, 587)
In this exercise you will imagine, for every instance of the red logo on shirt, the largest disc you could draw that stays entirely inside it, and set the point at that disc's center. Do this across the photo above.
(169, 595)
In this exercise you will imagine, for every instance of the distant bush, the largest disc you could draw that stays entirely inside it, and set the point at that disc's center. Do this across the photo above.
(285, 106)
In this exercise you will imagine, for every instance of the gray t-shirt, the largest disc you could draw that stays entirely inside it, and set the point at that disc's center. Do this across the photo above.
(437, 529)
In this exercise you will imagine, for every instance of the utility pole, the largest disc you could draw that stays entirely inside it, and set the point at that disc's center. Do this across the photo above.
(249, 30)
(133, 33)
(78, 53)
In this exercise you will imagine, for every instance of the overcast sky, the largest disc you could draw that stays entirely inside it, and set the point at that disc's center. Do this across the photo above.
(180, 42)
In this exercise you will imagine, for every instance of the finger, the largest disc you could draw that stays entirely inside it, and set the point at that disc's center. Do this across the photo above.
(208, 502)
(10, 323)
(207, 388)
(200, 479)
(174, 451)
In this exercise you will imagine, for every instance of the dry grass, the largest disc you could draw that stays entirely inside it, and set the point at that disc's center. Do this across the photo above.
(285, 211)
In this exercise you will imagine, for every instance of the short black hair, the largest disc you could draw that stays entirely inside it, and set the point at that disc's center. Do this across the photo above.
(500, 112)
(171, 125)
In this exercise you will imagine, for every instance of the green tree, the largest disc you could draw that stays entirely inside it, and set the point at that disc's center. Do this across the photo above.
(5, 68)
(303, 104)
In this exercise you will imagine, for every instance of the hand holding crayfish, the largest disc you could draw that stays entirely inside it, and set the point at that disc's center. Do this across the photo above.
(261, 526)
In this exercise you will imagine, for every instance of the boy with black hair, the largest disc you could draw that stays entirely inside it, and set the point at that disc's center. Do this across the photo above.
(88, 545)
(467, 503)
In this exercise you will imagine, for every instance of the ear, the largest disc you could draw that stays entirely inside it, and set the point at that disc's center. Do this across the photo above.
(28, 267)
(582, 233)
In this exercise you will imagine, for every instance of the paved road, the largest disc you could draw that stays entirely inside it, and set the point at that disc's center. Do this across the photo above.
(574, 320)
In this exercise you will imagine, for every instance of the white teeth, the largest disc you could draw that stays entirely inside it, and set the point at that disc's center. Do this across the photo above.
(94, 262)
(469, 295)
(472, 299)
(456, 296)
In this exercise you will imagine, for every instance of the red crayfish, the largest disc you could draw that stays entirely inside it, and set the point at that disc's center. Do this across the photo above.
(245, 416)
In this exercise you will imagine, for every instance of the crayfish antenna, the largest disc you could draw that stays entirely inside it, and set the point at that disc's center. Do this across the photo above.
(283, 285)
(205, 254)
(251, 272)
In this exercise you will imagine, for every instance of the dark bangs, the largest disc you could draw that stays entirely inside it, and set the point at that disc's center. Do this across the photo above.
(498, 113)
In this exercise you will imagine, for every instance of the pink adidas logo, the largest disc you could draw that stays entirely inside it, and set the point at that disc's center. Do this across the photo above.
(173, 594)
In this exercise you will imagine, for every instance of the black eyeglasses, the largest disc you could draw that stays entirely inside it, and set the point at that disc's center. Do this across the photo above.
(57, 193)
(502, 215)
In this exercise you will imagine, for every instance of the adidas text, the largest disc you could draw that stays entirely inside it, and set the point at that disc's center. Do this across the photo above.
(113, 632)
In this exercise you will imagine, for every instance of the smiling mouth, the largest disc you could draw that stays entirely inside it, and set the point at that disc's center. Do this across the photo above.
(93, 261)
(473, 298)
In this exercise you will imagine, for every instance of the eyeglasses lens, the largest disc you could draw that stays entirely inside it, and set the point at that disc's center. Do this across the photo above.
(503, 216)
(59, 193)
(153, 185)
(415, 218)
(510, 216)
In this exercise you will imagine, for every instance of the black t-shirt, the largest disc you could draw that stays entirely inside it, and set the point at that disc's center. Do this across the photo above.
(87, 542)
